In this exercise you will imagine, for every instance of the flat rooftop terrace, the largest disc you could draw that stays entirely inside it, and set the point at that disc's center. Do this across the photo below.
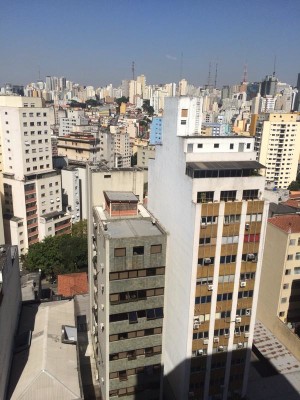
(127, 227)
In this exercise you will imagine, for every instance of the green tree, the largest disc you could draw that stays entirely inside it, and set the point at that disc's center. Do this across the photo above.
(294, 185)
(121, 100)
(58, 254)
(80, 228)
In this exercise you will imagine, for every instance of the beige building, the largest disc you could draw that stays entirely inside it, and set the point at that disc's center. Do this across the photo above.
(277, 142)
(280, 278)
(80, 147)
(31, 188)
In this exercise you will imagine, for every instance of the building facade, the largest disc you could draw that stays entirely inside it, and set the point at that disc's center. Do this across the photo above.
(277, 142)
(210, 203)
(31, 188)
(127, 248)
(280, 283)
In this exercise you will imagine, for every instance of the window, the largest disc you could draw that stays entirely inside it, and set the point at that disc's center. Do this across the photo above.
(292, 242)
(204, 240)
(184, 112)
(287, 272)
(228, 195)
(216, 145)
(250, 194)
(290, 257)
(281, 314)
(209, 220)
(138, 250)
(297, 270)
(31, 123)
(205, 197)
(183, 122)
(297, 256)
(285, 286)
(231, 146)
(283, 300)
(155, 248)
(120, 252)
(248, 145)
(200, 145)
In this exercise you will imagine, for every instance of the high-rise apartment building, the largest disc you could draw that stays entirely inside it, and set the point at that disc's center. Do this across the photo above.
(127, 248)
(207, 194)
(277, 142)
(31, 188)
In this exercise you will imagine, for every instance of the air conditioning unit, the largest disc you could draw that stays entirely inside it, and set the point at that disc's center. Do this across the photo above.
(243, 284)
(102, 287)
(210, 287)
(247, 227)
(238, 319)
(226, 334)
(102, 326)
(200, 352)
(102, 266)
(205, 341)
(207, 260)
(248, 311)
(102, 307)
(216, 339)
(240, 345)
(102, 380)
(196, 325)
(250, 257)
(221, 348)
(95, 306)
(246, 334)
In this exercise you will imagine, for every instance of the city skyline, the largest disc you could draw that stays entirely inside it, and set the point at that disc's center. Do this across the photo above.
(167, 40)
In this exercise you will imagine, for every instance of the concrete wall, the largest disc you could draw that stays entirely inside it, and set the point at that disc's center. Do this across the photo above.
(170, 200)
(9, 313)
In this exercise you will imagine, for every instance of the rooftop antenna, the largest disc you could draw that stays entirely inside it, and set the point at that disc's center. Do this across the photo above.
(132, 69)
(39, 73)
(209, 75)
(216, 76)
(274, 69)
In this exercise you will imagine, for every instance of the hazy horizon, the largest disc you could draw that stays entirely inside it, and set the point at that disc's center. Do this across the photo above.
(95, 42)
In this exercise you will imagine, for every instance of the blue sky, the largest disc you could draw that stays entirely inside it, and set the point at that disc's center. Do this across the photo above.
(95, 41)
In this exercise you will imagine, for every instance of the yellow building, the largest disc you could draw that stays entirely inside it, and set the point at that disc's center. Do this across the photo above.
(279, 295)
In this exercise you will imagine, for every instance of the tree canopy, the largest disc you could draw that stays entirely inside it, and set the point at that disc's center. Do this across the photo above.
(59, 254)
(147, 108)
(122, 99)
(295, 185)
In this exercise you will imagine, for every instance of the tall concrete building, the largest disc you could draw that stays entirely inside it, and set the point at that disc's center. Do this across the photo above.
(206, 192)
(277, 142)
(268, 86)
(31, 188)
(127, 248)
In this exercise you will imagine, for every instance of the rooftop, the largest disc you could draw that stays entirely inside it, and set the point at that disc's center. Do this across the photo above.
(121, 196)
(71, 284)
(127, 227)
(286, 223)
(48, 370)
(274, 351)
